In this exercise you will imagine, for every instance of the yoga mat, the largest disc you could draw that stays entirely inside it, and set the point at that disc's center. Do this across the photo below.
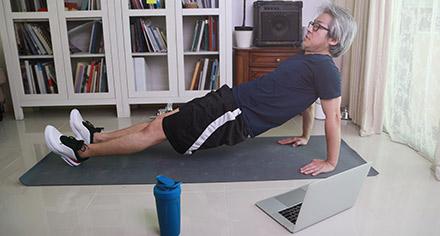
(258, 159)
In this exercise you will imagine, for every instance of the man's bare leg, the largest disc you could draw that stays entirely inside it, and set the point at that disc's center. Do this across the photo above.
(150, 135)
(106, 136)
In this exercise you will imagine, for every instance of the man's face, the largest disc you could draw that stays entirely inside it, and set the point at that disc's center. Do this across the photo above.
(318, 41)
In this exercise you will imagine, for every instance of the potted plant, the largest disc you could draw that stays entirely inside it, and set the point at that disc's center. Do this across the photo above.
(243, 33)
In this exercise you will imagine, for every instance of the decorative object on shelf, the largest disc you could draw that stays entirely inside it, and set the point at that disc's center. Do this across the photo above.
(243, 33)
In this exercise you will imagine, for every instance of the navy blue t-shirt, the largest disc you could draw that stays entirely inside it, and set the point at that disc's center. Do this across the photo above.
(276, 97)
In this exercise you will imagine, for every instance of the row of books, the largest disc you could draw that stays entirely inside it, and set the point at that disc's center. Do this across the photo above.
(90, 77)
(87, 37)
(146, 37)
(200, 3)
(205, 75)
(145, 4)
(33, 39)
(205, 35)
(38, 78)
(28, 5)
(82, 5)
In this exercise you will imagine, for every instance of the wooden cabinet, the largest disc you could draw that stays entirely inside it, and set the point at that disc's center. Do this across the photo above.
(251, 63)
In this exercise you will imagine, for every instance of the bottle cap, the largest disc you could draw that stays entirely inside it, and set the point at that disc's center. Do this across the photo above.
(166, 183)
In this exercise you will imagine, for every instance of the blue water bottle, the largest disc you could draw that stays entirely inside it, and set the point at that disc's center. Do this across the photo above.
(167, 194)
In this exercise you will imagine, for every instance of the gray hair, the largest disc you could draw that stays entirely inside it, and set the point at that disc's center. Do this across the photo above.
(342, 28)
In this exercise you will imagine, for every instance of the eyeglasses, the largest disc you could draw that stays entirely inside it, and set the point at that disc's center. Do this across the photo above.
(316, 26)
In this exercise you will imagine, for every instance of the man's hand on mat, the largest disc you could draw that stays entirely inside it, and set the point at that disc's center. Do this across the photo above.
(294, 141)
(317, 167)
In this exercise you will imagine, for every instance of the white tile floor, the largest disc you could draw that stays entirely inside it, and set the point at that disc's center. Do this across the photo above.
(404, 199)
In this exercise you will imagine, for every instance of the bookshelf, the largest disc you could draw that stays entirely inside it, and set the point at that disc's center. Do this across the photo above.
(172, 71)
(90, 52)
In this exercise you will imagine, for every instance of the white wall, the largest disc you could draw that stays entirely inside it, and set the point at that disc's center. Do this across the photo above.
(309, 11)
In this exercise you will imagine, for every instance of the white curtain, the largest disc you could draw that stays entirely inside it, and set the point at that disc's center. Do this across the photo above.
(412, 110)
(436, 166)
(366, 63)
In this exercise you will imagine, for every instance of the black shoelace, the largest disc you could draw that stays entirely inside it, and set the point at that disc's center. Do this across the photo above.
(92, 129)
(75, 145)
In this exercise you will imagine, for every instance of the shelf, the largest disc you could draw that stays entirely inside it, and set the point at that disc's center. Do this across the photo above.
(29, 15)
(83, 14)
(87, 55)
(146, 54)
(24, 57)
(200, 12)
(201, 53)
(147, 12)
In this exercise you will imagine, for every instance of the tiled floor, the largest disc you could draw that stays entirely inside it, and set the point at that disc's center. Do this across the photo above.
(404, 199)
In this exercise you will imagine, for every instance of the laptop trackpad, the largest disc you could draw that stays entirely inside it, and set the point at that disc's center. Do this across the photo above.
(292, 197)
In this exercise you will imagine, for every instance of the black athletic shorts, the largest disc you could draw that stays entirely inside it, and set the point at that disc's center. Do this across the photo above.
(206, 122)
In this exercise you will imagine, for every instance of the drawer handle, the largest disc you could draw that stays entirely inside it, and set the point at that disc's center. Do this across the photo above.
(278, 60)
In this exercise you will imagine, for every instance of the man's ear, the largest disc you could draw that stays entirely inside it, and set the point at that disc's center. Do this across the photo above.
(332, 42)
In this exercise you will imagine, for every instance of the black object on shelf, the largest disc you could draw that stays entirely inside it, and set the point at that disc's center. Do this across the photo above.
(278, 23)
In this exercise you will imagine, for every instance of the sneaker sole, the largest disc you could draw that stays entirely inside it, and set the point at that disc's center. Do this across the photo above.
(65, 158)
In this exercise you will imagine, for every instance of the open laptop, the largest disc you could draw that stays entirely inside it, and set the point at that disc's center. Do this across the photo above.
(314, 202)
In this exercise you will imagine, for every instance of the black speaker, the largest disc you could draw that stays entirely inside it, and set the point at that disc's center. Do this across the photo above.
(278, 23)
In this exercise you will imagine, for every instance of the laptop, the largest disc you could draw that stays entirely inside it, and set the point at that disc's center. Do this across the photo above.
(314, 202)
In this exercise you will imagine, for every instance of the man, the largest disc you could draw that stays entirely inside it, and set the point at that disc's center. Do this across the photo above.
(229, 116)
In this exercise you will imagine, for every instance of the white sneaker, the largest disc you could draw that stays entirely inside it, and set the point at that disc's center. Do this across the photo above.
(66, 147)
(82, 129)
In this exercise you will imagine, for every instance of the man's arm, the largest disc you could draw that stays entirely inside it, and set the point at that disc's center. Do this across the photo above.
(295, 141)
(331, 108)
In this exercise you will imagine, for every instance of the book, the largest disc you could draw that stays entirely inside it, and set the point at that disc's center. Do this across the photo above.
(33, 40)
(29, 77)
(199, 41)
(45, 42)
(195, 76)
(208, 75)
(90, 72)
(140, 74)
(40, 79)
(104, 87)
(214, 76)
(203, 74)
(51, 81)
(194, 41)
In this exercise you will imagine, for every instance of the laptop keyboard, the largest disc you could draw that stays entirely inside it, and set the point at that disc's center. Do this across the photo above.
(291, 213)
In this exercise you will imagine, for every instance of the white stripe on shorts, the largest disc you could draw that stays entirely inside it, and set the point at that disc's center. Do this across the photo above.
(228, 116)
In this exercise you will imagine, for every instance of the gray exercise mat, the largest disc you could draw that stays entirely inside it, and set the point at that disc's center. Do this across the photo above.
(258, 159)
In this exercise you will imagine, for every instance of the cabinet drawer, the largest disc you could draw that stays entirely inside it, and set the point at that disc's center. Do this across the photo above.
(264, 59)
(256, 72)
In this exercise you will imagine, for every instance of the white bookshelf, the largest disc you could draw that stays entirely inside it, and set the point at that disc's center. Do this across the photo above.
(185, 21)
(72, 19)
(159, 81)
(169, 72)
(178, 59)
